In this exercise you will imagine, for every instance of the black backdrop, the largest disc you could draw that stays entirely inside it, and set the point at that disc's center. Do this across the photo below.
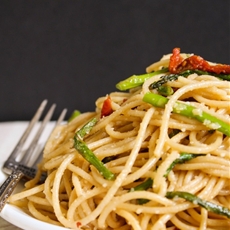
(71, 52)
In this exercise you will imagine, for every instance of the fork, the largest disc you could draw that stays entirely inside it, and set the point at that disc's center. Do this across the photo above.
(26, 166)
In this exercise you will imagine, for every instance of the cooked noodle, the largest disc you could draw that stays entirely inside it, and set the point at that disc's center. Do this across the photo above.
(137, 137)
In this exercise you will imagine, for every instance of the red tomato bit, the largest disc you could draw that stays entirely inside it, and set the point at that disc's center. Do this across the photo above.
(78, 224)
(194, 62)
(175, 60)
(107, 107)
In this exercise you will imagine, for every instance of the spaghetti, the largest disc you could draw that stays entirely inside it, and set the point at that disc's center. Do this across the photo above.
(171, 168)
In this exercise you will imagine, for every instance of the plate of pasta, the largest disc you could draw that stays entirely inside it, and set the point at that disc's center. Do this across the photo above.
(154, 154)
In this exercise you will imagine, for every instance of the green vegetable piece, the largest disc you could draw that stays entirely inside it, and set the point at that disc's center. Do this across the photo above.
(85, 130)
(201, 72)
(74, 115)
(83, 149)
(142, 201)
(196, 200)
(108, 159)
(165, 90)
(143, 186)
(224, 76)
(174, 132)
(173, 77)
(182, 159)
(137, 80)
(164, 79)
(155, 99)
(190, 111)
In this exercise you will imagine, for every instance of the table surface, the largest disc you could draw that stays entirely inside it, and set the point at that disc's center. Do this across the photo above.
(4, 225)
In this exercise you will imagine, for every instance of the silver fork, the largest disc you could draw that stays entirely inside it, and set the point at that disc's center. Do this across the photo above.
(25, 167)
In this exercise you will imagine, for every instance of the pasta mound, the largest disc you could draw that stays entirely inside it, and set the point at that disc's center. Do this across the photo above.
(137, 142)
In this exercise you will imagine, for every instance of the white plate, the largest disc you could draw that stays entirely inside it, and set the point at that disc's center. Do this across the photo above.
(10, 133)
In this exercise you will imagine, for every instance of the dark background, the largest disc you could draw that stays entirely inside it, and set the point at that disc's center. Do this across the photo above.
(72, 52)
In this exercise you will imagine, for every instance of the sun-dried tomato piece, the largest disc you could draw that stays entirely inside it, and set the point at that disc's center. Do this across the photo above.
(106, 107)
(219, 68)
(194, 62)
(175, 60)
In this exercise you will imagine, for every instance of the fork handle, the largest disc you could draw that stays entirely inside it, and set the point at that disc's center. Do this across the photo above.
(8, 186)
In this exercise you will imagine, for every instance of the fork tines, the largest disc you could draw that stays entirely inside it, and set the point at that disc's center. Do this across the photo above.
(17, 158)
